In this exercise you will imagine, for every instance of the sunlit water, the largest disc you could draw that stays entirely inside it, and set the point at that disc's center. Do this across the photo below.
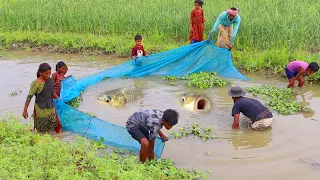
(286, 151)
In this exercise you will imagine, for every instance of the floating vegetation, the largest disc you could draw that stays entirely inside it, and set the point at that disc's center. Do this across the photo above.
(25, 155)
(314, 78)
(75, 103)
(202, 80)
(194, 130)
(279, 100)
(90, 114)
(15, 93)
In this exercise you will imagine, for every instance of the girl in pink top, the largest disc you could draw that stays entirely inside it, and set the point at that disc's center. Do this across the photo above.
(296, 69)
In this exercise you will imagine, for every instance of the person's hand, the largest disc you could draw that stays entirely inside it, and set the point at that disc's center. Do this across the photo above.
(134, 58)
(291, 83)
(25, 114)
(208, 39)
(235, 125)
(230, 46)
(147, 54)
(164, 137)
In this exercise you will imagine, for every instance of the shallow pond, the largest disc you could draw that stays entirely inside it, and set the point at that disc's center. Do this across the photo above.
(286, 151)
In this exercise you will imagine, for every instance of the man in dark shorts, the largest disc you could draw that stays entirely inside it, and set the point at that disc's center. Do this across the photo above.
(259, 114)
(144, 126)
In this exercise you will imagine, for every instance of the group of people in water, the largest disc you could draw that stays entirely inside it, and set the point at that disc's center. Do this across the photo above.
(144, 126)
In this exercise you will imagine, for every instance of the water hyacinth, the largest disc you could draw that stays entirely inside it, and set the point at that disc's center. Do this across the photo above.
(202, 80)
(277, 99)
(195, 130)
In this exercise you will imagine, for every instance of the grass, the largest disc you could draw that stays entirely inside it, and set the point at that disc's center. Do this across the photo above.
(265, 23)
(24, 155)
(272, 32)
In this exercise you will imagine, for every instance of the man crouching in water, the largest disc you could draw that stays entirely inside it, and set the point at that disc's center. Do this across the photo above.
(259, 114)
(144, 126)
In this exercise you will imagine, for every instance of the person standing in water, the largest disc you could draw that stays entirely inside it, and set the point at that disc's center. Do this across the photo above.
(57, 77)
(144, 126)
(296, 69)
(44, 113)
(259, 114)
(197, 22)
(228, 24)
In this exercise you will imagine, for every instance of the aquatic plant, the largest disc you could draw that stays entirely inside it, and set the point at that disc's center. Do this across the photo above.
(25, 155)
(15, 93)
(75, 103)
(314, 78)
(194, 130)
(202, 80)
(277, 99)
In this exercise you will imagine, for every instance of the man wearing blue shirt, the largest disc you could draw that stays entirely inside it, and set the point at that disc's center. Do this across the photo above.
(227, 32)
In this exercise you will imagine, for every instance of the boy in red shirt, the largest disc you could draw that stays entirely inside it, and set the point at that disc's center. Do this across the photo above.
(138, 50)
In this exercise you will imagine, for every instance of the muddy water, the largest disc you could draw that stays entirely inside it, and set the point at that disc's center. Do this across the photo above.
(286, 151)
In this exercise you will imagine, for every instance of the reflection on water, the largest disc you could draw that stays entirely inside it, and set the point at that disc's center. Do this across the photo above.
(270, 154)
(249, 139)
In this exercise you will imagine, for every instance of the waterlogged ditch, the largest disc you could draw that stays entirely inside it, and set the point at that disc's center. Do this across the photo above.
(278, 150)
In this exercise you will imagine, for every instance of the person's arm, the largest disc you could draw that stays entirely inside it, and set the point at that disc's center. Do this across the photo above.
(236, 115)
(301, 72)
(32, 92)
(191, 17)
(235, 30)
(133, 53)
(236, 118)
(55, 95)
(144, 52)
(216, 24)
(163, 136)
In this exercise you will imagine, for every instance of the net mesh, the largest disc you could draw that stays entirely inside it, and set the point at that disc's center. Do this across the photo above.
(181, 61)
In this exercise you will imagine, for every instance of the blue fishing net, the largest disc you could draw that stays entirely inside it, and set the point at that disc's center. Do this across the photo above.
(181, 61)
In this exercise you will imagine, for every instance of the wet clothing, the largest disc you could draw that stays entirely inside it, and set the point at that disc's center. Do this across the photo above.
(138, 51)
(44, 110)
(262, 124)
(295, 65)
(251, 108)
(197, 23)
(57, 82)
(224, 20)
(145, 123)
(291, 74)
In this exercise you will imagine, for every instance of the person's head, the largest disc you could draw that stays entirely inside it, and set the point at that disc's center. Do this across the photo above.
(170, 118)
(313, 67)
(198, 4)
(233, 12)
(138, 39)
(236, 92)
(44, 71)
(61, 67)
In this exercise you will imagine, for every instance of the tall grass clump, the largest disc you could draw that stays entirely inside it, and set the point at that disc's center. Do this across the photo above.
(265, 23)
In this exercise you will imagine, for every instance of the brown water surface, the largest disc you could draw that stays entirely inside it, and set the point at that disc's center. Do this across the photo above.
(286, 151)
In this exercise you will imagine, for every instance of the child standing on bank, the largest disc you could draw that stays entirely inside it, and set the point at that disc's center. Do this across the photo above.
(296, 69)
(44, 113)
(144, 126)
(138, 50)
(197, 22)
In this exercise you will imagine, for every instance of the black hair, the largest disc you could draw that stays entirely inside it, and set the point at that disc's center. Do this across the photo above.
(138, 37)
(171, 117)
(60, 64)
(199, 2)
(43, 68)
(314, 66)
(234, 8)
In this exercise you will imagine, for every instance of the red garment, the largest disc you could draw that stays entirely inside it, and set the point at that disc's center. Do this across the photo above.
(197, 23)
(138, 51)
(57, 87)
